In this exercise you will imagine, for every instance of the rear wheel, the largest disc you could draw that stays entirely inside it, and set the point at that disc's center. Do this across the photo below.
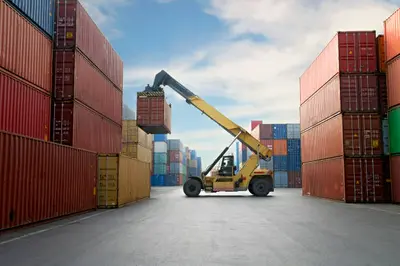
(192, 188)
(260, 187)
(251, 189)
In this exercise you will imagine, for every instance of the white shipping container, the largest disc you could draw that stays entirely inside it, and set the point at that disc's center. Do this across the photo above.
(193, 163)
(160, 146)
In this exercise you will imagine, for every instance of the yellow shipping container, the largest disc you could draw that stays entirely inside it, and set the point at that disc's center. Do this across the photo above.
(131, 133)
(137, 151)
(121, 180)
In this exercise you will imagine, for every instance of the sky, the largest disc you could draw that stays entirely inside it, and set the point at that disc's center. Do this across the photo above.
(244, 57)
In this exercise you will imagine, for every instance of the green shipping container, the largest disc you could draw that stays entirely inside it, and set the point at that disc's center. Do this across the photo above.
(394, 130)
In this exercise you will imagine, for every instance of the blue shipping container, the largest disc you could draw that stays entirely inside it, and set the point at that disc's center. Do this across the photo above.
(176, 168)
(267, 164)
(244, 155)
(237, 157)
(160, 158)
(279, 131)
(293, 131)
(193, 171)
(41, 12)
(281, 179)
(193, 155)
(159, 169)
(385, 136)
(160, 137)
(280, 163)
(293, 146)
(294, 162)
(171, 180)
(175, 145)
(199, 163)
(157, 180)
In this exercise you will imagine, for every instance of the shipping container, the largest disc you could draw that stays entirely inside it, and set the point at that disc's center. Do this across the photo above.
(280, 163)
(293, 131)
(160, 146)
(172, 179)
(279, 131)
(347, 52)
(193, 172)
(131, 133)
(137, 151)
(121, 180)
(349, 134)
(160, 158)
(91, 88)
(237, 157)
(42, 180)
(394, 130)
(78, 126)
(193, 163)
(74, 28)
(175, 156)
(24, 110)
(254, 124)
(193, 155)
(267, 164)
(160, 169)
(263, 131)
(175, 145)
(393, 81)
(25, 50)
(40, 12)
(199, 164)
(160, 137)
(294, 155)
(383, 94)
(346, 93)
(385, 136)
(380, 43)
(176, 168)
(157, 180)
(281, 179)
(280, 147)
(395, 178)
(345, 179)
(392, 35)
(294, 179)
(153, 114)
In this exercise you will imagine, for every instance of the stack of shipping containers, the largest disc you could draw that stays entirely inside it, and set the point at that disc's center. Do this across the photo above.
(341, 121)
(160, 160)
(284, 140)
(177, 169)
(135, 142)
(88, 77)
(392, 48)
(193, 169)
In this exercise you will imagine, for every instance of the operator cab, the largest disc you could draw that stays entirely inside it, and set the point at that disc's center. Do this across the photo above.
(227, 167)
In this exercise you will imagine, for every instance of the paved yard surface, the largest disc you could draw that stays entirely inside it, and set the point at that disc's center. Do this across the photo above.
(219, 229)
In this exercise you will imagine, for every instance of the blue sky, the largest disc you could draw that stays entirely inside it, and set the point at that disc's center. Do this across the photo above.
(243, 56)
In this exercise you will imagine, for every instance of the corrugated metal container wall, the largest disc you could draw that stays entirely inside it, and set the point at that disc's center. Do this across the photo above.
(294, 179)
(160, 158)
(160, 146)
(91, 88)
(385, 136)
(350, 179)
(263, 131)
(199, 165)
(393, 81)
(78, 126)
(172, 179)
(193, 164)
(176, 168)
(41, 12)
(193, 155)
(351, 135)
(293, 131)
(158, 180)
(34, 190)
(347, 52)
(394, 130)
(193, 171)
(346, 93)
(175, 145)
(281, 179)
(137, 151)
(392, 35)
(267, 164)
(23, 109)
(280, 147)
(280, 131)
(18, 38)
(160, 137)
(395, 176)
(75, 28)
(380, 43)
(175, 156)
(154, 115)
(160, 169)
(131, 133)
(280, 163)
(383, 94)
(294, 155)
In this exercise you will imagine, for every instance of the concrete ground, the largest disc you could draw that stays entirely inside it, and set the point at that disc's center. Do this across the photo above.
(219, 229)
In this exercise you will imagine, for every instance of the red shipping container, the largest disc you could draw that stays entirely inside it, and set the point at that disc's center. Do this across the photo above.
(294, 179)
(153, 114)
(393, 82)
(77, 125)
(75, 29)
(25, 50)
(269, 143)
(42, 180)
(77, 78)
(395, 177)
(349, 134)
(346, 179)
(343, 93)
(263, 131)
(254, 123)
(347, 52)
(392, 35)
(24, 110)
(175, 156)
(383, 94)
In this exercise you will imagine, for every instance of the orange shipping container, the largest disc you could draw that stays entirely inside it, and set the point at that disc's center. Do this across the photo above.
(380, 44)
(393, 82)
(280, 147)
(24, 49)
(392, 35)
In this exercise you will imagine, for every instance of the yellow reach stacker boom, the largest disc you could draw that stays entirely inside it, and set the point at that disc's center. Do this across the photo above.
(258, 181)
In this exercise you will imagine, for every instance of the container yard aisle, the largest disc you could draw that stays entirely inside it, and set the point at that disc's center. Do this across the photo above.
(169, 229)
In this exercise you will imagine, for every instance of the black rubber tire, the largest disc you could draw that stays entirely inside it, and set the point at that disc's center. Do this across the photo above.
(192, 188)
(260, 187)
(251, 189)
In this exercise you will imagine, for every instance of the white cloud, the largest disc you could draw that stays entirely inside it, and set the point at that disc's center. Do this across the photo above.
(264, 77)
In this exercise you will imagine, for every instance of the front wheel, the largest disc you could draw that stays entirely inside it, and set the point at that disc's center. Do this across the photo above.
(192, 188)
(260, 187)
